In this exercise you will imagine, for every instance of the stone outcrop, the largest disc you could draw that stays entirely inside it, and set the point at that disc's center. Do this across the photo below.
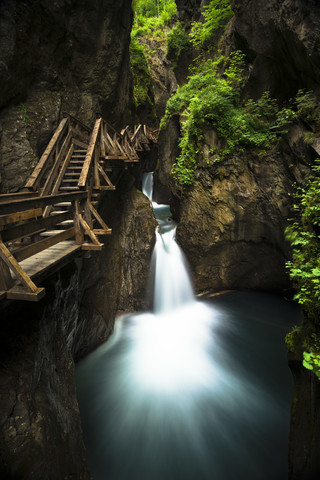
(41, 433)
(58, 56)
(232, 220)
(64, 56)
(281, 41)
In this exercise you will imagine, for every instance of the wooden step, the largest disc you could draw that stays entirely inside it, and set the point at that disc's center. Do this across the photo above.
(64, 205)
(70, 180)
(72, 174)
(75, 162)
(69, 189)
(50, 233)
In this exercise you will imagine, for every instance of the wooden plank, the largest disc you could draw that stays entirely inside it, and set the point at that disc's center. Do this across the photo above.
(32, 227)
(102, 144)
(44, 263)
(13, 264)
(81, 136)
(77, 142)
(98, 217)
(53, 173)
(91, 246)
(6, 280)
(88, 230)
(90, 154)
(37, 247)
(63, 169)
(77, 121)
(79, 236)
(105, 176)
(9, 197)
(36, 175)
(115, 157)
(100, 231)
(21, 293)
(37, 202)
(19, 216)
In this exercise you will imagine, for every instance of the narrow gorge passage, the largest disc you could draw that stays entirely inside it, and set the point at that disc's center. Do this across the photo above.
(193, 389)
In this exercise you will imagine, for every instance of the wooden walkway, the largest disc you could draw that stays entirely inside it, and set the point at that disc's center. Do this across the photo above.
(56, 216)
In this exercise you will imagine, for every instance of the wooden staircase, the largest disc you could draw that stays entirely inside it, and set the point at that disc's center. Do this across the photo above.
(56, 216)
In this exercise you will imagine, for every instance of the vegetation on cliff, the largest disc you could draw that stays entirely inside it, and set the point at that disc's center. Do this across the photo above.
(304, 268)
(212, 97)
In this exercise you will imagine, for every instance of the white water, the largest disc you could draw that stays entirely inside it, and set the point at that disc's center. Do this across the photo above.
(182, 393)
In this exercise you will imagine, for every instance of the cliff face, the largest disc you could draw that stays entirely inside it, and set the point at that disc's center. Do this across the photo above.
(232, 219)
(58, 56)
(64, 56)
(281, 40)
(41, 433)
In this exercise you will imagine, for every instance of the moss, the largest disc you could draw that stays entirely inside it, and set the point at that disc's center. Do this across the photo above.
(142, 81)
(294, 340)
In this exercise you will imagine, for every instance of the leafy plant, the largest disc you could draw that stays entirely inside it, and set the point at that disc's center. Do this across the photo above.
(142, 83)
(24, 111)
(212, 99)
(177, 40)
(151, 16)
(307, 107)
(217, 14)
(311, 361)
(303, 234)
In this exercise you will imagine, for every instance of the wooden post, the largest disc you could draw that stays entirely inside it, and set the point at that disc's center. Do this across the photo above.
(87, 214)
(6, 280)
(79, 236)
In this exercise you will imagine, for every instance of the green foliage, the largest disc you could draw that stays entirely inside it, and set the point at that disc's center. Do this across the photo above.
(24, 111)
(311, 361)
(307, 107)
(217, 14)
(177, 40)
(213, 99)
(151, 16)
(304, 269)
(142, 83)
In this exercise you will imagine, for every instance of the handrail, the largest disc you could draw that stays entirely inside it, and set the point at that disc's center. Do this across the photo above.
(39, 170)
(76, 120)
(93, 142)
(38, 202)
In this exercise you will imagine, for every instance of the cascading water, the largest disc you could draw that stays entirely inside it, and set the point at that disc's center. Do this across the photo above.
(192, 390)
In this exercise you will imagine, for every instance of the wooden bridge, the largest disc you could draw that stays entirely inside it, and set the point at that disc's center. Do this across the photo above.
(56, 214)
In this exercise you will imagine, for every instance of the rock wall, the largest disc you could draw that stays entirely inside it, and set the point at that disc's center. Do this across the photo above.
(281, 41)
(233, 219)
(58, 56)
(72, 56)
(41, 436)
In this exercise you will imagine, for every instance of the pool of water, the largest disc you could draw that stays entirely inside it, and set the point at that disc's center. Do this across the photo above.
(202, 392)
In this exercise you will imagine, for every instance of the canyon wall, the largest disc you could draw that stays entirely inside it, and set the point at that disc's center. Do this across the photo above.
(60, 56)
(232, 219)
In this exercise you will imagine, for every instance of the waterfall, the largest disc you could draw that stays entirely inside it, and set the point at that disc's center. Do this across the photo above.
(147, 185)
(172, 284)
(185, 391)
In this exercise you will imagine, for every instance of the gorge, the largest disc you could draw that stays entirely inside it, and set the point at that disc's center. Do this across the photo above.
(74, 56)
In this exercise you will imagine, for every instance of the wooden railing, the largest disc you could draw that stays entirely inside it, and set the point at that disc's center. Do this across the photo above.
(48, 172)
(31, 222)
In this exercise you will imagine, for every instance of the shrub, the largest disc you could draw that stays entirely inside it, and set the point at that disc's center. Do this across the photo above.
(177, 40)
(213, 99)
(142, 82)
(217, 14)
(303, 234)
